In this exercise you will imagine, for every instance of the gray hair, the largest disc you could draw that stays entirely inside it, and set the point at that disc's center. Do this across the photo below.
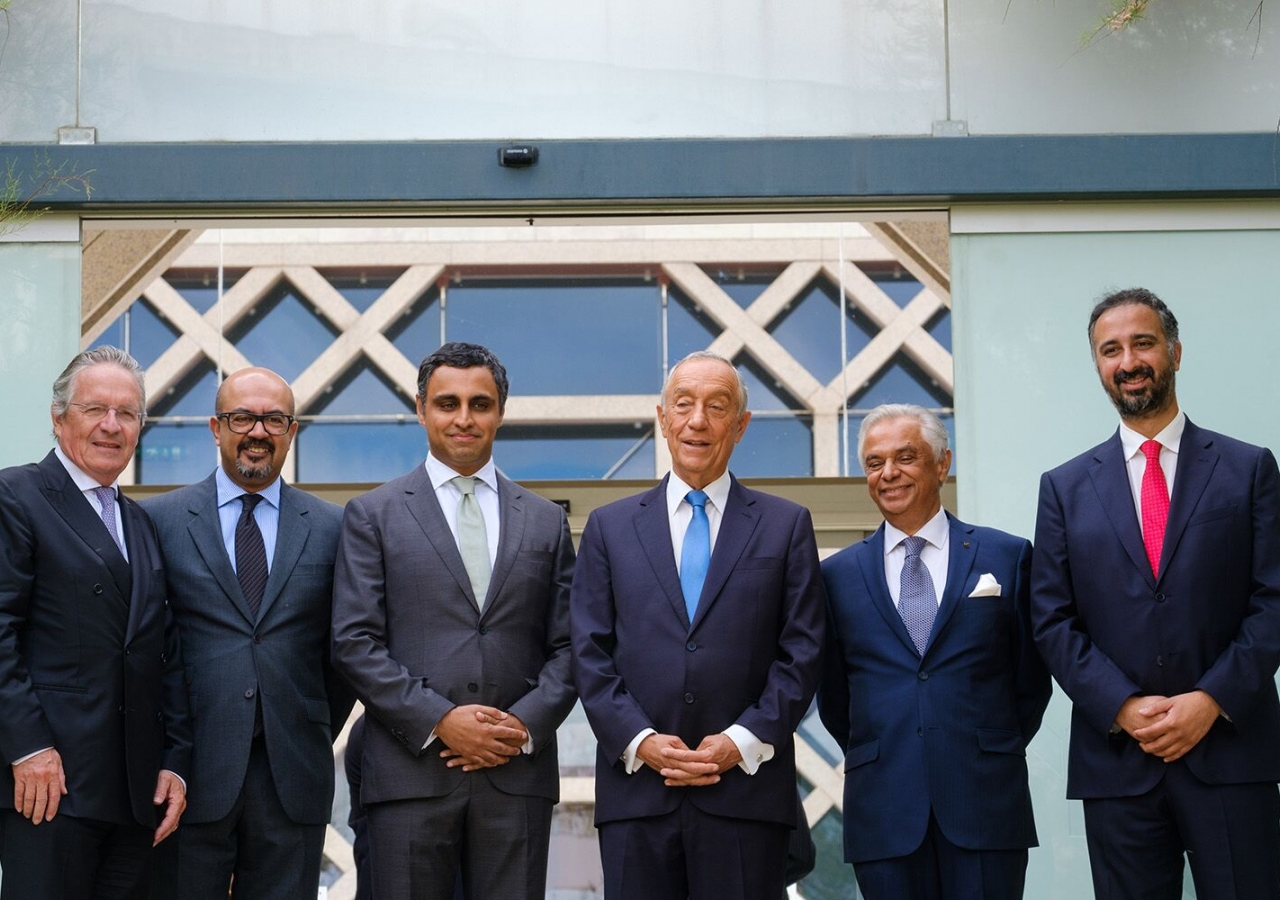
(65, 384)
(931, 427)
(707, 354)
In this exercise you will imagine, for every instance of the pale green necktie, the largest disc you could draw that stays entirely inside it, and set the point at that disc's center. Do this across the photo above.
(473, 539)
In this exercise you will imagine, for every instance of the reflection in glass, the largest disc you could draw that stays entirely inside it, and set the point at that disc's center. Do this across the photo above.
(574, 451)
(598, 336)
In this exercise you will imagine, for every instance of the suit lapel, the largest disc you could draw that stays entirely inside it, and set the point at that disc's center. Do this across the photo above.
(1111, 482)
(871, 565)
(205, 529)
(420, 498)
(737, 523)
(962, 552)
(67, 500)
(291, 537)
(653, 530)
(1196, 462)
(140, 562)
(510, 532)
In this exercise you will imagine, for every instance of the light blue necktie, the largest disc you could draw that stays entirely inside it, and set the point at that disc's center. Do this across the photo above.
(695, 555)
(917, 601)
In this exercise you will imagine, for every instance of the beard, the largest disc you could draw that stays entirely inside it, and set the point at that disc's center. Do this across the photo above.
(255, 473)
(1151, 399)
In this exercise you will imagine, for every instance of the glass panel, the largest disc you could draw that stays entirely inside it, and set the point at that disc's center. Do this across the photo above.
(299, 71)
(361, 288)
(417, 333)
(180, 453)
(200, 287)
(688, 327)
(573, 451)
(742, 284)
(360, 452)
(258, 336)
(37, 72)
(1021, 68)
(775, 448)
(809, 330)
(554, 336)
(370, 445)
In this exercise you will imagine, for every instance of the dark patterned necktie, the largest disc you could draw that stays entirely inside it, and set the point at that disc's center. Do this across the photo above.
(251, 554)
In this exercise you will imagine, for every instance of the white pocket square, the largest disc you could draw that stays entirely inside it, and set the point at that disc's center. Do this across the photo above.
(987, 586)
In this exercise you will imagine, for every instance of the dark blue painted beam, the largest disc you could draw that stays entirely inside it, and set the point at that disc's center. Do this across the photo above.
(686, 173)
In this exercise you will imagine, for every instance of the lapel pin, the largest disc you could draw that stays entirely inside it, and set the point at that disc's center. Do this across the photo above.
(966, 545)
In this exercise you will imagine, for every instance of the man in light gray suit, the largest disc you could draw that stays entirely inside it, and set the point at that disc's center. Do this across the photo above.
(249, 564)
(451, 621)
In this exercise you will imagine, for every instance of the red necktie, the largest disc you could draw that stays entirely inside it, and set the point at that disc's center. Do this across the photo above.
(1155, 504)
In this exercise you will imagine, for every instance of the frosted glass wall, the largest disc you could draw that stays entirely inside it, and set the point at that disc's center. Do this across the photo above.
(40, 319)
(1027, 397)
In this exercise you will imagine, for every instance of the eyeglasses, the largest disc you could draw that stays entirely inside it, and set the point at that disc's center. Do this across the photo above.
(96, 412)
(243, 422)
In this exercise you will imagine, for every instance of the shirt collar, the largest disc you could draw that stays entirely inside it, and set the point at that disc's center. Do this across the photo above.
(1170, 437)
(439, 473)
(717, 492)
(936, 531)
(228, 490)
(80, 478)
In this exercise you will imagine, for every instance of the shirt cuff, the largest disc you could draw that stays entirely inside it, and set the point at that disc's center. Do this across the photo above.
(181, 780)
(431, 737)
(755, 752)
(630, 763)
(30, 756)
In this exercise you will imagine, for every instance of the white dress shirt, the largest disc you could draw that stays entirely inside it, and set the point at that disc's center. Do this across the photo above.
(87, 485)
(754, 751)
(1135, 461)
(937, 535)
(487, 496)
(266, 514)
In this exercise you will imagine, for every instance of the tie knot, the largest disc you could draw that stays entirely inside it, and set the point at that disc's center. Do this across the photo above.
(1151, 449)
(250, 501)
(106, 495)
(697, 498)
(466, 484)
(914, 545)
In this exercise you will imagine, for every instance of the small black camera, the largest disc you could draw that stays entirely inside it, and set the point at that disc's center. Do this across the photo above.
(517, 156)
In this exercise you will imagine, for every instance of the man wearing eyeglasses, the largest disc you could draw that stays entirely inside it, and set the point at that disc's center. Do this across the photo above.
(249, 562)
(94, 723)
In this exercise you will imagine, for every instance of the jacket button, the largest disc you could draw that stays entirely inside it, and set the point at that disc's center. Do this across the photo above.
(248, 695)
(257, 639)
(691, 646)
(923, 676)
(1160, 598)
(688, 698)
(97, 589)
(472, 687)
(484, 629)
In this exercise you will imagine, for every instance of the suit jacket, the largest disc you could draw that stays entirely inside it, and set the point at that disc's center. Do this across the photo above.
(410, 637)
(750, 656)
(948, 732)
(89, 656)
(1110, 629)
(233, 663)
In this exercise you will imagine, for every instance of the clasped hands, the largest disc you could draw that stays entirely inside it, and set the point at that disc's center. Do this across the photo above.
(480, 737)
(679, 766)
(1168, 727)
(40, 783)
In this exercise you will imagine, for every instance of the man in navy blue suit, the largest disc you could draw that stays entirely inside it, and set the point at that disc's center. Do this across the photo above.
(1156, 601)
(932, 685)
(696, 620)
